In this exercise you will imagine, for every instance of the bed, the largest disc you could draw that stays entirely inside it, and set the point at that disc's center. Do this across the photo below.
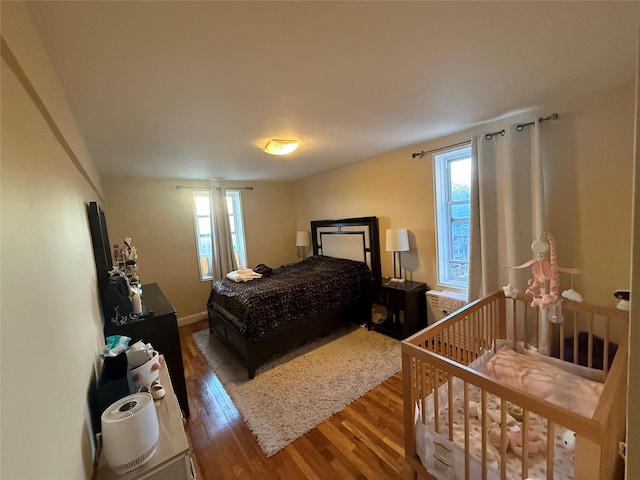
(300, 301)
(472, 410)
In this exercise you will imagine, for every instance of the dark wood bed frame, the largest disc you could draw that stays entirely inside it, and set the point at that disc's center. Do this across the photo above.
(294, 333)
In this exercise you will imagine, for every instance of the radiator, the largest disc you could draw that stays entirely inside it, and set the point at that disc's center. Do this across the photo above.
(441, 303)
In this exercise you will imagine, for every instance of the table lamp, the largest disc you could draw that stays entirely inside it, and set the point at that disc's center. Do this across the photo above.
(397, 241)
(303, 240)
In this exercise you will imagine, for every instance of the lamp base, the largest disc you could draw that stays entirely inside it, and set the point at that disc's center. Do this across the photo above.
(395, 280)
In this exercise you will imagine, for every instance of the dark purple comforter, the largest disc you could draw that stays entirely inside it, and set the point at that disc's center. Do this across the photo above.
(314, 285)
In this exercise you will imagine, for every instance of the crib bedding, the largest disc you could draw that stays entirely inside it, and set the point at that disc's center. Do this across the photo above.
(519, 371)
(558, 386)
(312, 286)
(426, 439)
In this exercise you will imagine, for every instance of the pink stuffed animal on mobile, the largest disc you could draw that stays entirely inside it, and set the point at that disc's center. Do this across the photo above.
(545, 284)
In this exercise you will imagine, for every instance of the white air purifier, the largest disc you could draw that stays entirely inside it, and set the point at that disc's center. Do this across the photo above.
(130, 432)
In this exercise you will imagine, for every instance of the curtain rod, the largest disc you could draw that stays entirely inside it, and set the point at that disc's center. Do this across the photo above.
(520, 127)
(423, 153)
(490, 135)
(207, 188)
(553, 116)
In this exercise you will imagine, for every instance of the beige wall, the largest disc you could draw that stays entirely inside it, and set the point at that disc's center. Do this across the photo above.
(394, 187)
(633, 412)
(589, 162)
(159, 219)
(51, 324)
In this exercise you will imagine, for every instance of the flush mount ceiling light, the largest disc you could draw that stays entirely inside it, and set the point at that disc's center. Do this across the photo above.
(280, 147)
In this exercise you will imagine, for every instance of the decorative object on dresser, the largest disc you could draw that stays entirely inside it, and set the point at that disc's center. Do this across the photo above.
(397, 241)
(301, 301)
(303, 240)
(158, 325)
(172, 458)
(296, 391)
(404, 304)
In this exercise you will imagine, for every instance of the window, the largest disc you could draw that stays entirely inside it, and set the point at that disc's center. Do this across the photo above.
(453, 207)
(202, 212)
(203, 220)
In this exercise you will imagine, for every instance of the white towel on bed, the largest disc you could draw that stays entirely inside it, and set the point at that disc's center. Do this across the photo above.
(243, 275)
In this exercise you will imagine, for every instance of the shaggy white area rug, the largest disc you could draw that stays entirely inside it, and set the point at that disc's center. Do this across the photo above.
(295, 392)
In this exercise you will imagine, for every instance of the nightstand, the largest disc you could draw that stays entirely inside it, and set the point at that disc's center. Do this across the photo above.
(406, 307)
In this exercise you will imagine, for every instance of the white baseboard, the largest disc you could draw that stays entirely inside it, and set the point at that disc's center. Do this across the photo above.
(189, 319)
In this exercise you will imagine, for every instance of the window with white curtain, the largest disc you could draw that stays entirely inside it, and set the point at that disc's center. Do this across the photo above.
(203, 220)
(452, 173)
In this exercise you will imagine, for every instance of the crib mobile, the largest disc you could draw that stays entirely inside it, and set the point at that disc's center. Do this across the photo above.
(545, 283)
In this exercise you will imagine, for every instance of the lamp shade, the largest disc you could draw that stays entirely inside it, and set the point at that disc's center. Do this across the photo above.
(302, 238)
(397, 240)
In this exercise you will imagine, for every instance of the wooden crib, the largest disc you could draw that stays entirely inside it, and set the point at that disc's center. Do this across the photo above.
(437, 360)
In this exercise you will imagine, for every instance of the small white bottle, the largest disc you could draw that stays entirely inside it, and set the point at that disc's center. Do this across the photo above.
(136, 301)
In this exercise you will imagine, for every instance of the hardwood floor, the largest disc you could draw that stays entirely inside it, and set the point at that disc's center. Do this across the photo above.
(364, 441)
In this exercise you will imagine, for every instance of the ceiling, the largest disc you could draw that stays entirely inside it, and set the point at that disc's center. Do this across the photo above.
(194, 90)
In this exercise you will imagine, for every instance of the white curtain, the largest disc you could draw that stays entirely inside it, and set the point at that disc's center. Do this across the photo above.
(224, 260)
(507, 208)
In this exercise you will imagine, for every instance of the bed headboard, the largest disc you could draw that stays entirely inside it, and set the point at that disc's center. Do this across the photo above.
(352, 238)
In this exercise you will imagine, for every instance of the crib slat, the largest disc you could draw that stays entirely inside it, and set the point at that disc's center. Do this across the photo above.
(471, 340)
(504, 445)
(549, 334)
(490, 330)
(436, 403)
(483, 409)
(605, 359)
(525, 451)
(550, 444)
(465, 322)
(514, 326)
(423, 385)
(526, 326)
(503, 439)
(455, 349)
(575, 337)
(473, 322)
(466, 431)
(484, 315)
(590, 345)
(451, 407)
(537, 322)
(482, 336)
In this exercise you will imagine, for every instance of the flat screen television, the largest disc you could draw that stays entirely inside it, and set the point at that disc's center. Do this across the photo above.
(101, 245)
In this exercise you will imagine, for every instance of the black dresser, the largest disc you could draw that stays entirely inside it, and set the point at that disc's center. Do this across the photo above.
(158, 325)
